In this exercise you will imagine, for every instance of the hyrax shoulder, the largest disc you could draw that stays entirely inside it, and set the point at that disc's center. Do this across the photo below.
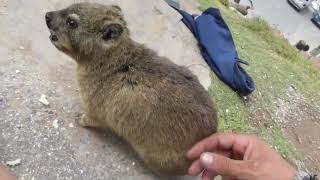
(158, 107)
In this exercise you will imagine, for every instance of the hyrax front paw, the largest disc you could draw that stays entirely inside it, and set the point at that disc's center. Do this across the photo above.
(82, 121)
(85, 121)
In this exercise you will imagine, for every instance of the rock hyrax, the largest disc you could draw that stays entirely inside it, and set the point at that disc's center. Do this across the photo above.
(158, 107)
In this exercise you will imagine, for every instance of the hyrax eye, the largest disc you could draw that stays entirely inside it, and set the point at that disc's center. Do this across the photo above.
(72, 24)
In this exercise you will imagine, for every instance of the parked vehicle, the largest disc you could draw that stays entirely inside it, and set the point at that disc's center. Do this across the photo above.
(316, 19)
(300, 4)
(315, 6)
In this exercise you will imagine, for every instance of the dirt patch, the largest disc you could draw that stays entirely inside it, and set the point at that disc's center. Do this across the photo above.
(300, 122)
(259, 116)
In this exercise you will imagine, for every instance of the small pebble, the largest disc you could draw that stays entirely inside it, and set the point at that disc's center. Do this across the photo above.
(55, 124)
(71, 125)
(17, 71)
(43, 100)
(21, 47)
(133, 163)
(13, 163)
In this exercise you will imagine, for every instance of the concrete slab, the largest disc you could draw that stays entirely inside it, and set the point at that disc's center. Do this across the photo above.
(47, 139)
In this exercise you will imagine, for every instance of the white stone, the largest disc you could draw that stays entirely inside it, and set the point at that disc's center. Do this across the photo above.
(13, 163)
(71, 125)
(55, 123)
(43, 100)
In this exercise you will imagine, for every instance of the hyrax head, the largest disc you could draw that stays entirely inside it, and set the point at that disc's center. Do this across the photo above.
(83, 28)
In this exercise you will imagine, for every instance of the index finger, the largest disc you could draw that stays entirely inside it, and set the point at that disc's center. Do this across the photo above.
(218, 142)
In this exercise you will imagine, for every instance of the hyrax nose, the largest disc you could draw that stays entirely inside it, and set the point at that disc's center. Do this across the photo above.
(49, 19)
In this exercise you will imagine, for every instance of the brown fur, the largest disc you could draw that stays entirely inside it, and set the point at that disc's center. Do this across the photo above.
(158, 107)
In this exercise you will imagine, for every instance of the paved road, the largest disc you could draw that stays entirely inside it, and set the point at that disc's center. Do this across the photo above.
(294, 25)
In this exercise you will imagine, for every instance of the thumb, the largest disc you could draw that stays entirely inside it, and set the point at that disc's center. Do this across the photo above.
(223, 166)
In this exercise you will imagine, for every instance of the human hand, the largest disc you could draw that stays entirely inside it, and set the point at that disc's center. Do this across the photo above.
(238, 157)
(5, 174)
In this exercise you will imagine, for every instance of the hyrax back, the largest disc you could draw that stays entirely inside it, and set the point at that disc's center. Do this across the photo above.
(158, 107)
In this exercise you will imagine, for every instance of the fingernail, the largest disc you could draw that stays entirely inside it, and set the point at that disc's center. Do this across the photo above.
(206, 159)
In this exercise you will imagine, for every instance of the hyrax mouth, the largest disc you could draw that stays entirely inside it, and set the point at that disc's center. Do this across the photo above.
(53, 37)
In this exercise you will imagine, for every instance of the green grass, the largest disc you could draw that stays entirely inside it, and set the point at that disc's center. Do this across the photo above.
(275, 66)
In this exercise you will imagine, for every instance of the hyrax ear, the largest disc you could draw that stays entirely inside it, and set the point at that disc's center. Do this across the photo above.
(112, 31)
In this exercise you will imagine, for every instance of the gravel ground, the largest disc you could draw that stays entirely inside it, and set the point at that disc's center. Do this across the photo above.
(47, 138)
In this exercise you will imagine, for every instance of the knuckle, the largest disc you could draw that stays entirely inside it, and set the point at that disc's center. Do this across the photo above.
(217, 135)
(254, 137)
(222, 164)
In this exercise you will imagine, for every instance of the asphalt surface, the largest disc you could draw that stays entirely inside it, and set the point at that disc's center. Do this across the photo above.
(294, 25)
(46, 139)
